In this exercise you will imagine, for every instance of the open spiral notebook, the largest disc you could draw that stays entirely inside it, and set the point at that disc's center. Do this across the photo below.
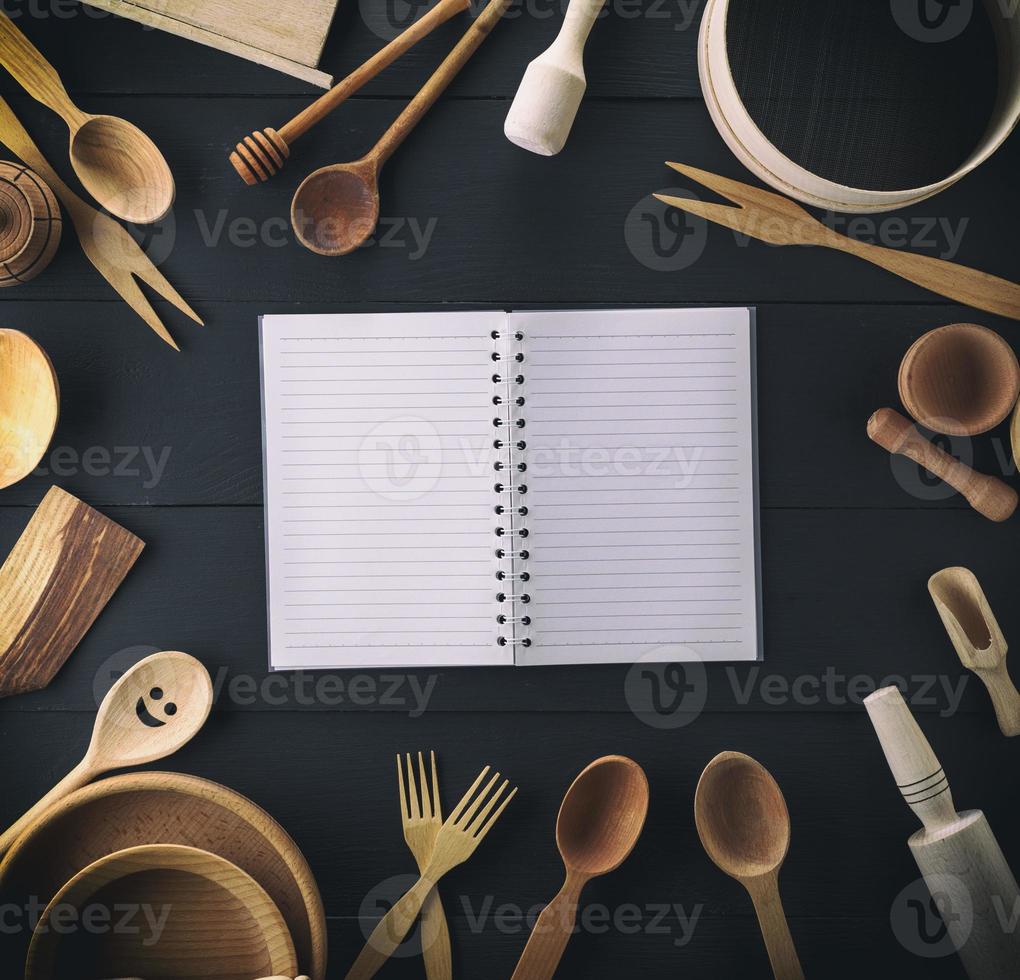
(511, 488)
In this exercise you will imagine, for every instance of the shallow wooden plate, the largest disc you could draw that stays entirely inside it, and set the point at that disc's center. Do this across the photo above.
(170, 808)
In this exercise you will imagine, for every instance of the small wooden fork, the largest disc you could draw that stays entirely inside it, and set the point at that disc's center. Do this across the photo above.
(422, 822)
(455, 843)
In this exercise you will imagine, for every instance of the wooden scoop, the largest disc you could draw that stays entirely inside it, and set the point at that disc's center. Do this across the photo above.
(115, 161)
(986, 494)
(745, 829)
(29, 405)
(336, 208)
(600, 821)
(157, 707)
(978, 640)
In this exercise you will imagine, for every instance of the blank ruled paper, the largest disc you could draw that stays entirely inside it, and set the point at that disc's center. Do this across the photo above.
(623, 463)
(379, 489)
(641, 484)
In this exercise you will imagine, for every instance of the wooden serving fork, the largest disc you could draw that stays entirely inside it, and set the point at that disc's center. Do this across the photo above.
(456, 841)
(108, 246)
(422, 822)
(777, 220)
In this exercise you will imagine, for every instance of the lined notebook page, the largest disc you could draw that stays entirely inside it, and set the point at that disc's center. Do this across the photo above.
(379, 489)
(641, 484)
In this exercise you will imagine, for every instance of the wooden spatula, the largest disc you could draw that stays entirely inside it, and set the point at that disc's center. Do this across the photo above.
(65, 567)
(977, 638)
(777, 220)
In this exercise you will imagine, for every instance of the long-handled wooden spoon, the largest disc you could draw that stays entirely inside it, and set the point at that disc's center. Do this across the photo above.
(777, 220)
(599, 824)
(262, 155)
(157, 707)
(744, 827)
(336, 208)
(978, 640)
(116, 162)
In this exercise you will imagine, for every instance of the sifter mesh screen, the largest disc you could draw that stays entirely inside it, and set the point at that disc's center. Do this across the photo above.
(843, 90)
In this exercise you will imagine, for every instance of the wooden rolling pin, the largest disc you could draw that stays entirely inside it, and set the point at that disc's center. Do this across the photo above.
(961, 861)
(988, 495)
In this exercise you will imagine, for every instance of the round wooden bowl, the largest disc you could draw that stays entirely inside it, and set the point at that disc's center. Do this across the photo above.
(29, 405)
(170, 808)
(962, 379)
(161, 911)
(30, 224)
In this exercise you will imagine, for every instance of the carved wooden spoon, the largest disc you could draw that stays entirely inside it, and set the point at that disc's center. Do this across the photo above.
(115, 161)
(600, 821)
(745, 828)
(979, 642)
(157, 707)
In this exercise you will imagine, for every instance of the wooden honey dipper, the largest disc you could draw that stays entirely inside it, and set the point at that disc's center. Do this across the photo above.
(263, 154)
(986, 494)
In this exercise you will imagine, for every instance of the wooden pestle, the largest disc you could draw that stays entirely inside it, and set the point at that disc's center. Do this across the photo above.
(988, 495)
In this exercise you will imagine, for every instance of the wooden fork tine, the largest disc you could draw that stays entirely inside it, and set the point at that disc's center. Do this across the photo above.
(437, 806)
(479, 819)
(459, 809)
(469, 814)
(135, 298)
(484, 828)
(412, 790)
(155, 279)
(423, 780)
(404, 812)
(737, 192)
(721, 214)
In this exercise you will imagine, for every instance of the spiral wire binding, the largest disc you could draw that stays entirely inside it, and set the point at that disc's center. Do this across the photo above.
(512, 552)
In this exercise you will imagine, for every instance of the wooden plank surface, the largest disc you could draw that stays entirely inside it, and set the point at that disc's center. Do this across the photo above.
(169, 446)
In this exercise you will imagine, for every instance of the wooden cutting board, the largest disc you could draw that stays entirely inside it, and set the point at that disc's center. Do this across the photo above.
(61, 573)
(288, 35)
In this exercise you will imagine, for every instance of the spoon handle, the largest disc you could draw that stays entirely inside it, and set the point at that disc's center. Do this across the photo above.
(550, 935)
(436, 85)
(774, 927)
(34, 73)
(75, 779)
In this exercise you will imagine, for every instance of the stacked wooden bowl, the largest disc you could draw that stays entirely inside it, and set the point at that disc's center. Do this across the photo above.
(216, 887)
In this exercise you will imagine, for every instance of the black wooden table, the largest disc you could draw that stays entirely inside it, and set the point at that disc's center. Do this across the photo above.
(169, 445)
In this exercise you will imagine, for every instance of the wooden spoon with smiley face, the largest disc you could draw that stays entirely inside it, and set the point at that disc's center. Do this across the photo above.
(157, 707)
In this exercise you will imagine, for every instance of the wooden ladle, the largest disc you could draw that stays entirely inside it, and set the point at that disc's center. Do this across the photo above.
(157, 707)
(599, 823)
(977, 638)
(29, 405)
(744, 827)
(115, 161)
(336, 208)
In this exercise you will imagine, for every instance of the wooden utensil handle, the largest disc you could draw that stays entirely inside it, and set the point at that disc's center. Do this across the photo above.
(436, 85)
(1005, 698)
(75, 779)
(550, 936)
(986, 494)
(775, 929)
(435, 939)
(34, 73)
(390, 932)
(578, 22)
(343, 90)
(958, 282)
